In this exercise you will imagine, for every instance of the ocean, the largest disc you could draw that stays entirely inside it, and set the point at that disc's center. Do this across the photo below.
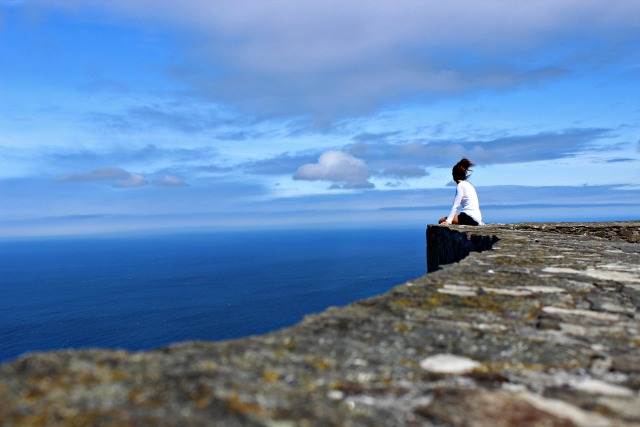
(144, 292)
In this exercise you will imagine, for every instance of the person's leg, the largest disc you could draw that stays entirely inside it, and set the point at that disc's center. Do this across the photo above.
(465, 219)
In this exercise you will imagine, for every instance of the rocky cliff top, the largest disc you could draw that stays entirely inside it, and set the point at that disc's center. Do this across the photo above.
(540, 328)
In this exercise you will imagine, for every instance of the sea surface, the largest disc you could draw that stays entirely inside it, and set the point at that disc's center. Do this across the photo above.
(138, 293)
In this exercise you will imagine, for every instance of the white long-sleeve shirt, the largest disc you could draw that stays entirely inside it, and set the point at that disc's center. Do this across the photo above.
(467, 199)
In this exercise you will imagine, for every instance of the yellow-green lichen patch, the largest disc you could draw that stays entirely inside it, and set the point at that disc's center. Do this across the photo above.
(506, 306)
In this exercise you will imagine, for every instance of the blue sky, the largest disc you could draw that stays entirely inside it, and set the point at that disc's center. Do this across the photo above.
(138, 115)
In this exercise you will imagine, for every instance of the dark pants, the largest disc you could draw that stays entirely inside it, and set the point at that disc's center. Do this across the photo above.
(464, 219)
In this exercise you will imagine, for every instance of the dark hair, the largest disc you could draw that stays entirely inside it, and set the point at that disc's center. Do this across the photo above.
(461, 169)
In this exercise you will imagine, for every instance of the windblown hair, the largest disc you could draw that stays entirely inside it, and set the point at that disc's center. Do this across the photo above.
(461, 169)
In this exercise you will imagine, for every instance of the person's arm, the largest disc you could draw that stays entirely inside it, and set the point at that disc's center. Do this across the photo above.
(456, 204)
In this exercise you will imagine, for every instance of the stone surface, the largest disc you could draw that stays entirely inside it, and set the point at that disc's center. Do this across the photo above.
(540, 328)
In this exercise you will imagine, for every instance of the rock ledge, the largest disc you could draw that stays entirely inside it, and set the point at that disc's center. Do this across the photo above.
(539, 328)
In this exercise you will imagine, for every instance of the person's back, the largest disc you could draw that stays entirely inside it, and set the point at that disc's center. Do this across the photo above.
(469, 203)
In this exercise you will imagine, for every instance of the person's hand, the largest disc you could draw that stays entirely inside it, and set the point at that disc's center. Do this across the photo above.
(446, 223)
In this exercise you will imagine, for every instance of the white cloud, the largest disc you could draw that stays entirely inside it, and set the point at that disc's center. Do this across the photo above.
(133, 180)
(333, 57)
(170, 181)
(339, 167)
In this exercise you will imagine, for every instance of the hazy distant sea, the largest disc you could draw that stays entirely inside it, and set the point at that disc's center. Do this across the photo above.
(145, 292)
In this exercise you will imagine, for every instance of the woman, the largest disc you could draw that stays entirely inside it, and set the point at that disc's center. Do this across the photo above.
(466, 198)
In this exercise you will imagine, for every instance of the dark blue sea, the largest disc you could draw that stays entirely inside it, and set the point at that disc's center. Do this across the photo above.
(138, 293)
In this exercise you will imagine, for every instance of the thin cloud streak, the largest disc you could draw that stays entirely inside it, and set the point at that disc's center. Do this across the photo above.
(188, 119)
(102, 174)
(512, 149)
(123, 178)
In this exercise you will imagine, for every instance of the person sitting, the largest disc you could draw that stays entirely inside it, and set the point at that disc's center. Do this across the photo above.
(466, 198)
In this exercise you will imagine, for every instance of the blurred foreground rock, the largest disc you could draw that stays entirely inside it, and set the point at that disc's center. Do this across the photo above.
(540, 328)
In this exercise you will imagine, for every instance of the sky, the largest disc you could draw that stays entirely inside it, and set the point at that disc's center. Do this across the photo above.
(127, 116)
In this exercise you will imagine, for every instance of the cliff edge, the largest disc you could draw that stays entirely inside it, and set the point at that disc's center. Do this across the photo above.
(515, 325)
